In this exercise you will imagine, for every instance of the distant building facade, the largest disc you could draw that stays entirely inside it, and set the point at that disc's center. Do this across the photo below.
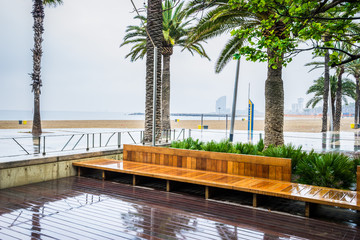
(220, 106)
(298, 107)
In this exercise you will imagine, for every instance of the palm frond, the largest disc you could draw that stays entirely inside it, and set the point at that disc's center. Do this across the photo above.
(227, 54)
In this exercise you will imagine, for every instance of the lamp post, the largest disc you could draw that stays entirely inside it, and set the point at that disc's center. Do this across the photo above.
(231, 138)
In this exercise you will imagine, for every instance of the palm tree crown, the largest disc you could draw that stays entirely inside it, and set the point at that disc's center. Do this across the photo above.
(348, 90)
(175, 32)
(221, 19)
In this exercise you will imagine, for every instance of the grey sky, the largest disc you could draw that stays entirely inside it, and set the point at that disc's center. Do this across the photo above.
(83, 68)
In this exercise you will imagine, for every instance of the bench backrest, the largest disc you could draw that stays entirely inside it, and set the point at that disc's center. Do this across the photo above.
(236, 164)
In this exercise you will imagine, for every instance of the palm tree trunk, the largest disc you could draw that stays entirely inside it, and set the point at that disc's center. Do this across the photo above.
(333, 108)
(154, 27)
(326, 92)
(165, 94)
(338, 109)
(274, 104)
(38, 15)
(357, 102)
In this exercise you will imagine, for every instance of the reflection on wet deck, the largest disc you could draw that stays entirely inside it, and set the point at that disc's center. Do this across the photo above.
(82, 208)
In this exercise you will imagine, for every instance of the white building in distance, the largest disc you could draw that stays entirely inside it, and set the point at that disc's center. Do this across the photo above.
(220, 106)
(298, 107)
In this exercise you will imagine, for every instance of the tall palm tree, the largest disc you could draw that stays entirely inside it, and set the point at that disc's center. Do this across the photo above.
(352, 29)
(348, 89)
(222, 18)
(353, 68)
(175, 30)
(340, 70)
(38, 15)
(326, 87)
(154, 38)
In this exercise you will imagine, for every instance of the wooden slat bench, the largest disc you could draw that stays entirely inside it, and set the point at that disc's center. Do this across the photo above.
(254, 174)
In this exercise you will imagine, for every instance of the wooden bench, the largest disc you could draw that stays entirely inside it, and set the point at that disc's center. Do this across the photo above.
(255, 174)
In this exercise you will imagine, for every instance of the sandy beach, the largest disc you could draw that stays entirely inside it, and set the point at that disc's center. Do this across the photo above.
(290, 125)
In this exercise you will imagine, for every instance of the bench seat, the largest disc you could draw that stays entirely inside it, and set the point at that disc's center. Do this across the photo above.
(255, 185)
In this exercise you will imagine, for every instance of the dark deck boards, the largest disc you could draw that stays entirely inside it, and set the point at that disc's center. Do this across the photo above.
(84, 208)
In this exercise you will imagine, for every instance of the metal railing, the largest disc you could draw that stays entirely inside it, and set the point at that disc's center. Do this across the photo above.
(320, 142)
(83, 142)
(27, 146)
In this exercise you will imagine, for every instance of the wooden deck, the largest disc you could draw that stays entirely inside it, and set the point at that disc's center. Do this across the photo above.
(83, 208)
(300, 192)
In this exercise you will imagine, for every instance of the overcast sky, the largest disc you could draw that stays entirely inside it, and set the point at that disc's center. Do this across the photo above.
(83, 68)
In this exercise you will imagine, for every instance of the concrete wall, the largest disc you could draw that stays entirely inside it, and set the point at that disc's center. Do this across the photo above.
(21, 172)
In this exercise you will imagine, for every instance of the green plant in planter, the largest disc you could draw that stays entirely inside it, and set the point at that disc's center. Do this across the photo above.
(224, 146)
(356, 163)
(287, 151)
(188, 143)
(260, 145)
(249, 148)
(327, 170)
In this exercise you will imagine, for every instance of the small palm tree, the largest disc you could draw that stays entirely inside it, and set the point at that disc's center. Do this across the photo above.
(175, 33)
(348, 89)
(38, 15)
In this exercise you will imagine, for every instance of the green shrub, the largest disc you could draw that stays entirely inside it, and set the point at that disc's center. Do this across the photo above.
(327, 170)
(356, 163)
(246, 148)
(223, 146)
(287, 151)
(188, 143)
(260, 145)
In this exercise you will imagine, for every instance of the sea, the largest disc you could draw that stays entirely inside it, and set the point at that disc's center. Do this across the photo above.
(78, 115)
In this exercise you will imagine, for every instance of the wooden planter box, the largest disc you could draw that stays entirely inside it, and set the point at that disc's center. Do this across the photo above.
(229, 163)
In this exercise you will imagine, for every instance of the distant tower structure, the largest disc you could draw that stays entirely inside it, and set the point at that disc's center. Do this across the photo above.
(294, 108)
(300, 104)
(220, 106)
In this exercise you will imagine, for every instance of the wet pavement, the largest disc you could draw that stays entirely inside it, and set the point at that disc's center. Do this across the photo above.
(87, 208)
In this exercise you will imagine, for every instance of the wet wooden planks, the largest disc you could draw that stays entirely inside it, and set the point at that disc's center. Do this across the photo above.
(301, 192)
(82, 208)
(235, 164)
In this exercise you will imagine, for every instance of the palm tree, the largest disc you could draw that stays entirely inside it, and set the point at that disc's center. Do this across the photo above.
(175, 30)
(326, 87)
(340, 70)
(154, 38)
(353, 68)
(38, 15)
(222, 18)
(352, 29)
(348, 89)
